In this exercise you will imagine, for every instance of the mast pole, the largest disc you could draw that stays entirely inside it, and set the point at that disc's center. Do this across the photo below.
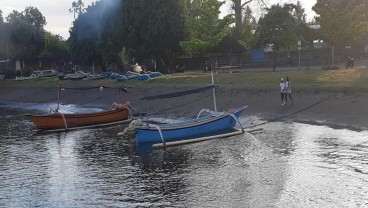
(58, 97)
(214, 92)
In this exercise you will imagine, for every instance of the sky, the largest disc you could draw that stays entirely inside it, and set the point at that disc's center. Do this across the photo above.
(59, 19)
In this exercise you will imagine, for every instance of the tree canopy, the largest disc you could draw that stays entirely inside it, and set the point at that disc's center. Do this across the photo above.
(121, 31)
(87, 36)
(278, 28)
(342, 22)
(204, 29)
(77, 8)
(153, 28)
(1, 17)
(26, 32)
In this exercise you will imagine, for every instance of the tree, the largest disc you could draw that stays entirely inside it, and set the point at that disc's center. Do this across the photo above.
(249, 26)
(342, 22)
(96, 35)
(83, 38)
(55, 46)
(34, 17)
(26, 33)
(2, 37)
(77, 8)
(299, 12)
(277, 28)
(204, 29)
(110, 42)
(1, 17)
(238, 7)
(305, 34)
(153, 29)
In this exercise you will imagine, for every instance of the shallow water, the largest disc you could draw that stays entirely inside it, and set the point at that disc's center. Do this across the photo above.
(286, 165)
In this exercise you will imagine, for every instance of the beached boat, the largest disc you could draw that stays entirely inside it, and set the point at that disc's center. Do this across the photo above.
(74, 76)
(148, 75)
(214, 124)
(21, 78)
(44, 73)
(59, 120)
(56, 120)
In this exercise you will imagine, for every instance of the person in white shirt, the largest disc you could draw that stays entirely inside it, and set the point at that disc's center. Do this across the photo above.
(282, 88)
(287, 90)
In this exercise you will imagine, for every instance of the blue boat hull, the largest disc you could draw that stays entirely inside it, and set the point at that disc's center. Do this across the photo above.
(188, 129)
(148, 76)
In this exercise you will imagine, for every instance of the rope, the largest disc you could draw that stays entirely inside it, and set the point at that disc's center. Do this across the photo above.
(287, 115)
(181, 105)
(131, 128)
(121, 89)
(46, 101)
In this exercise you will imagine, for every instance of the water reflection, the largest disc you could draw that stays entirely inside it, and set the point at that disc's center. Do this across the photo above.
(287, 165)
(326, 168)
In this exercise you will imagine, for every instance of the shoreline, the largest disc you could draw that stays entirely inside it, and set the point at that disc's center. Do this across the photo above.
(321, 107)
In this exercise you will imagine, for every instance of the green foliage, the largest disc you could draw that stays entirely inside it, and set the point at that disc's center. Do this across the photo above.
(34, 17)
(342, 21)
(94, 36)
(56, 46)
(110, 42)
(1, 17)
(305, 34)
(111, 31)
(204, 29)
(77, 8)
(153, 28)
(26, 33)
(249, 26)
(278, 27)
(298, 12)
(23, 36)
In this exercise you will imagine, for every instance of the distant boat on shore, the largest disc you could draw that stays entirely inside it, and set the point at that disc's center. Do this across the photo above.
(44, 73)
(74, 76)
(38, 74)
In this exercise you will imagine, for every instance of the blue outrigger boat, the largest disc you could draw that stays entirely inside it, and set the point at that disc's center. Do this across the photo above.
(211, 125)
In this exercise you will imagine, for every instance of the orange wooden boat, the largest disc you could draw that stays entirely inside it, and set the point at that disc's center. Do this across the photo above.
(57, 121)
(69, 121)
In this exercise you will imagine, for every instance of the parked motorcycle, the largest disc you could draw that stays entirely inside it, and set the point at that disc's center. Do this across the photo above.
(350, 62)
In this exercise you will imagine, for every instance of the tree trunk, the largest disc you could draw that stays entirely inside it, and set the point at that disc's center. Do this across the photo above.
(238, 18)
(274, 61)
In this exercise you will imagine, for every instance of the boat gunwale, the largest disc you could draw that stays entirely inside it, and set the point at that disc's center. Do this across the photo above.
(84, 115)
(189, 123)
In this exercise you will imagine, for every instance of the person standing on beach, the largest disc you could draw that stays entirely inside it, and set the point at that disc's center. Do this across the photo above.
(287, 90)
(282, 88)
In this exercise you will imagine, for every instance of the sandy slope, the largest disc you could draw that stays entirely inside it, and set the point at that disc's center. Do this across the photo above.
(345, 110)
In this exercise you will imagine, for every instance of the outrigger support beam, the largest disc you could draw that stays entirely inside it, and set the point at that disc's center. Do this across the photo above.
(160, 132)
(205, 110)
(237, 120)
(62, 115)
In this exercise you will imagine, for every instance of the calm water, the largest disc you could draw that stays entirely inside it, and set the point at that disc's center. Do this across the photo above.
(287, 165)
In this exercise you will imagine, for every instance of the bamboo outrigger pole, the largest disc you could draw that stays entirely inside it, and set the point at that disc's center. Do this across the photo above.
(214, 92)
(58, 97)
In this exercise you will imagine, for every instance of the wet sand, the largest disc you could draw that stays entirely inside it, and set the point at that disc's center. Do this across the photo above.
(318, 106)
